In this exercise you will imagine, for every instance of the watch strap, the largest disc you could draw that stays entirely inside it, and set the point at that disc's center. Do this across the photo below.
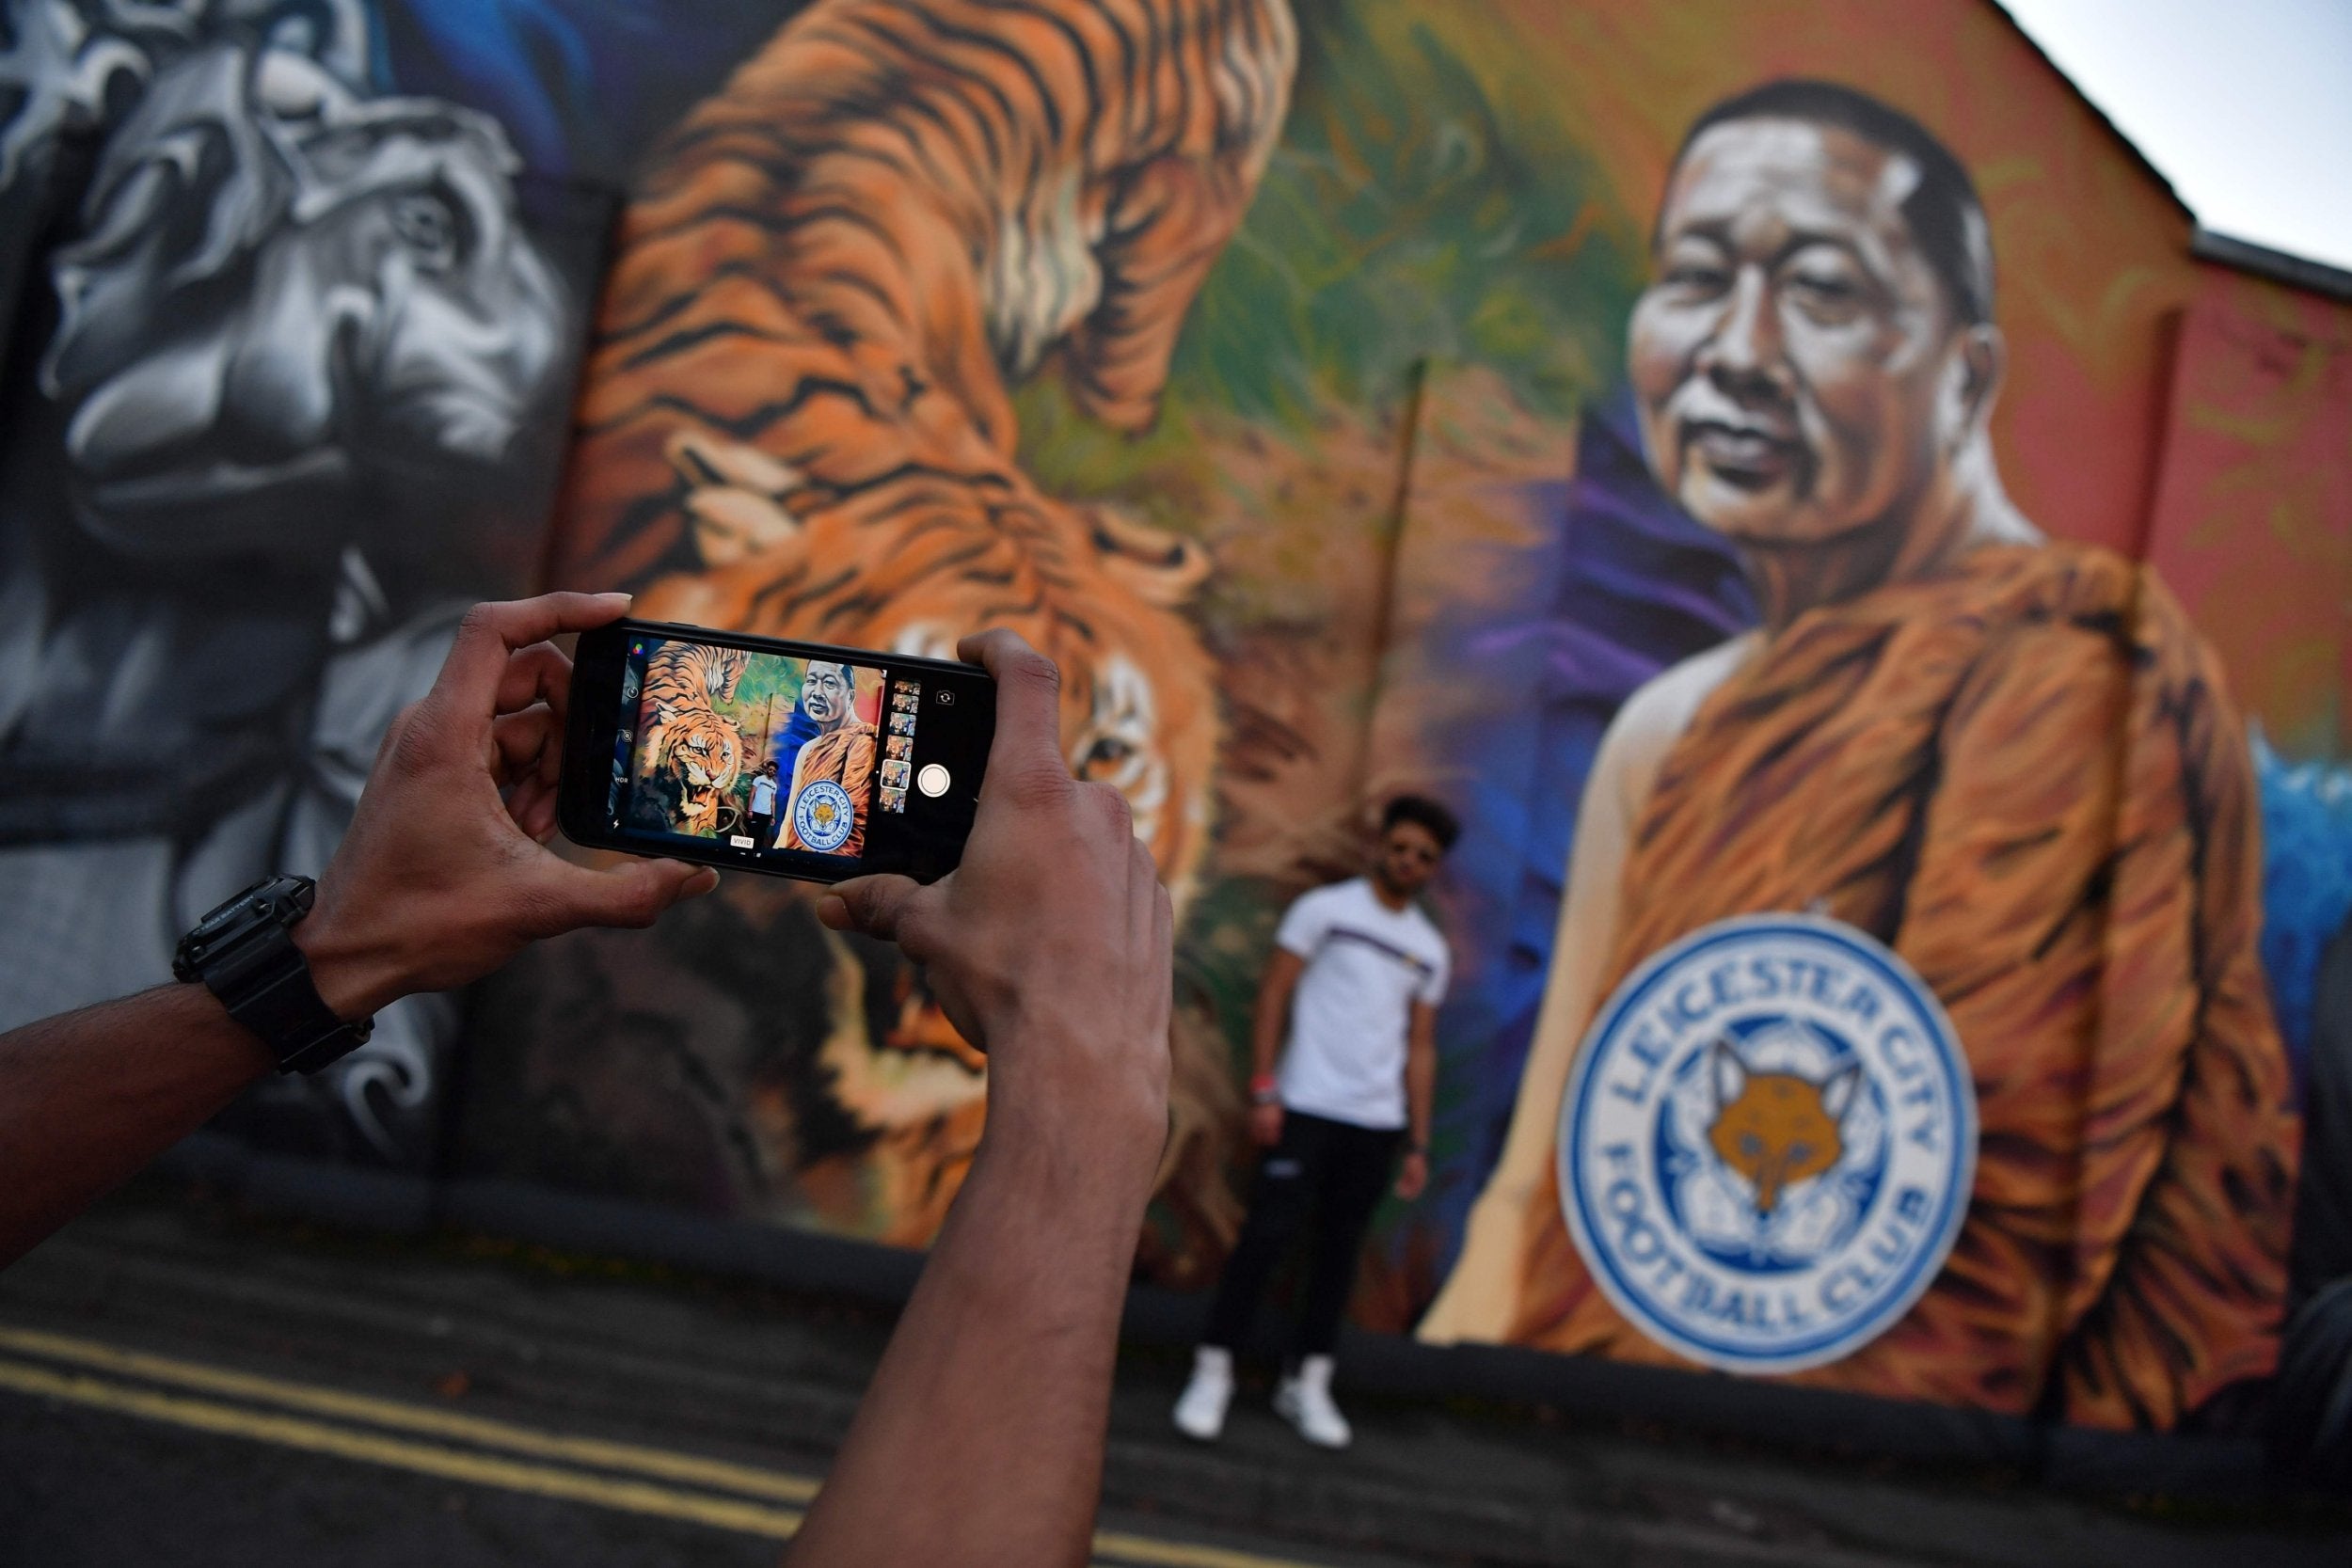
(244, 954)
(280, 1002)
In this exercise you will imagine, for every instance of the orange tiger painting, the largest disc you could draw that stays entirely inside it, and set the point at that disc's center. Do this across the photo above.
(684, 736)
(797, 419)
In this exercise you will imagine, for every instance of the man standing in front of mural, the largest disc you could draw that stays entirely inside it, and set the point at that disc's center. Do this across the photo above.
(1354, 982)
(764, 802)
(2009, 761)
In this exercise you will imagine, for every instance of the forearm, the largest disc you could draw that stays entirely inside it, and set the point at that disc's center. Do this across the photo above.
(1420, 1089)
(996, 1388)
(1271, 1022)
(1265, 1042)
(88, 1098)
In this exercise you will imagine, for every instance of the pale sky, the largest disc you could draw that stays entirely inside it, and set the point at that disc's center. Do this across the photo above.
(2245, 104)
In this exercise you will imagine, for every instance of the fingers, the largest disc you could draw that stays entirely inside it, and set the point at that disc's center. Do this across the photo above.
(885, 907)
(1143, 893)
(539, 673)
(629, 892)
(532, 805)
(1114, 810)
(491, 633)
(1027, 745)
(1412, 1177)
(529, 745)
(528, 768)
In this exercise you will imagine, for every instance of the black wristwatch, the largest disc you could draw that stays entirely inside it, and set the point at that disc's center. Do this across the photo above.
(245, 953)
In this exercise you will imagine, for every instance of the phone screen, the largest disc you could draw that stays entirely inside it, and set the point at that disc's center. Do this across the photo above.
(807, 761)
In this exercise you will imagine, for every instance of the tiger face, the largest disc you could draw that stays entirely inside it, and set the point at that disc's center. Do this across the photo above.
(1118, 743)
(705, 752)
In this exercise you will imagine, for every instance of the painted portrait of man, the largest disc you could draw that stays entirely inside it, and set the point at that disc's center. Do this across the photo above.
(834, 768)
(2009, 760)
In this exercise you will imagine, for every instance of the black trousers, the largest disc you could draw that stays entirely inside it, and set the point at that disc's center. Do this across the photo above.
(1328, 1173)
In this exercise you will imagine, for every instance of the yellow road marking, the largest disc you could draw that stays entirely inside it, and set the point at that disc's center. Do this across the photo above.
(404, 1417)
(295, 1431)
(1174, 1554)
(549, 1481)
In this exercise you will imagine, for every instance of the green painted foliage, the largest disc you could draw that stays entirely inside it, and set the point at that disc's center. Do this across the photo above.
(763, 700)
(1404, 217)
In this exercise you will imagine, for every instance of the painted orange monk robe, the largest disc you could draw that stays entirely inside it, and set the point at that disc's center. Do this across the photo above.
(846, 757)
(2025, 777)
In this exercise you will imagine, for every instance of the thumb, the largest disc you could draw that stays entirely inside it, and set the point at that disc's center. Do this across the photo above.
(883, 906)
(629, 892)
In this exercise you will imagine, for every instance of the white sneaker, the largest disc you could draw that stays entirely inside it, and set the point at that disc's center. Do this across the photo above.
(1305, 1401)
(1200, 1409)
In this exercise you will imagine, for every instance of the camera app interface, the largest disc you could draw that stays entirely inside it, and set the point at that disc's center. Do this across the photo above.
(762, 752)
(906, 705)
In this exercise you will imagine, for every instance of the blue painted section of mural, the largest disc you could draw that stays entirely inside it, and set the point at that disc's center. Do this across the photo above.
(1626, 586)
(583, 89)
(2306, 884)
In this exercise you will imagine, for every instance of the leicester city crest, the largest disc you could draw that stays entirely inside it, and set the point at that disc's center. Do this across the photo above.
(820, 817)
(1767, 1146)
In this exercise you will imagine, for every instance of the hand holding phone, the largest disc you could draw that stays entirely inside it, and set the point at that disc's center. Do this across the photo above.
(1049, 947)
(441, 877)
(798, 759)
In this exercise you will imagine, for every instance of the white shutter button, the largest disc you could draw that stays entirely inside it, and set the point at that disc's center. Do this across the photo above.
(932, 780)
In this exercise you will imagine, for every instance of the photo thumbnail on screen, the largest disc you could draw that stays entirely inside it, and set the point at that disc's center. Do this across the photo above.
(758, 751)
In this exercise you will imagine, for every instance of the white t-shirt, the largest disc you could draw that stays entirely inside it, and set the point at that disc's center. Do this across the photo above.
(1366, 965)
(763, 796)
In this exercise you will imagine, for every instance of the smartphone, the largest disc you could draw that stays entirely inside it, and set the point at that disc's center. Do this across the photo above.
(793, 758)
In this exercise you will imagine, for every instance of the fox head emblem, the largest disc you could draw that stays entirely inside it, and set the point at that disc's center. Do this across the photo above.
(1777, 1129)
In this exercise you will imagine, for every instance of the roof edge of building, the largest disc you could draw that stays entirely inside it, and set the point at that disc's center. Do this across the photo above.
(2147, 166)
(2278, 265)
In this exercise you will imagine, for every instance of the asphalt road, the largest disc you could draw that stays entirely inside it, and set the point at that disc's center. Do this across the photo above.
(167, 1405)
(111, 1456)
(180, 1384)
(86, 1488)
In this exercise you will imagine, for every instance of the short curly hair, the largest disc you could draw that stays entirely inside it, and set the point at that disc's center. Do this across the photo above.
(1419, 810)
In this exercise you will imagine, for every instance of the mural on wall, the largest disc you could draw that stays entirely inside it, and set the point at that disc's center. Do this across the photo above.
(282, 410)
(1874, 598)
(2008, 762)
(1682, 554)
(797, 423)
(2251, 519)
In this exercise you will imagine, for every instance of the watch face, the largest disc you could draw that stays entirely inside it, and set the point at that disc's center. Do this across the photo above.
(244, 956)
(273, 901)
(290, 899)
